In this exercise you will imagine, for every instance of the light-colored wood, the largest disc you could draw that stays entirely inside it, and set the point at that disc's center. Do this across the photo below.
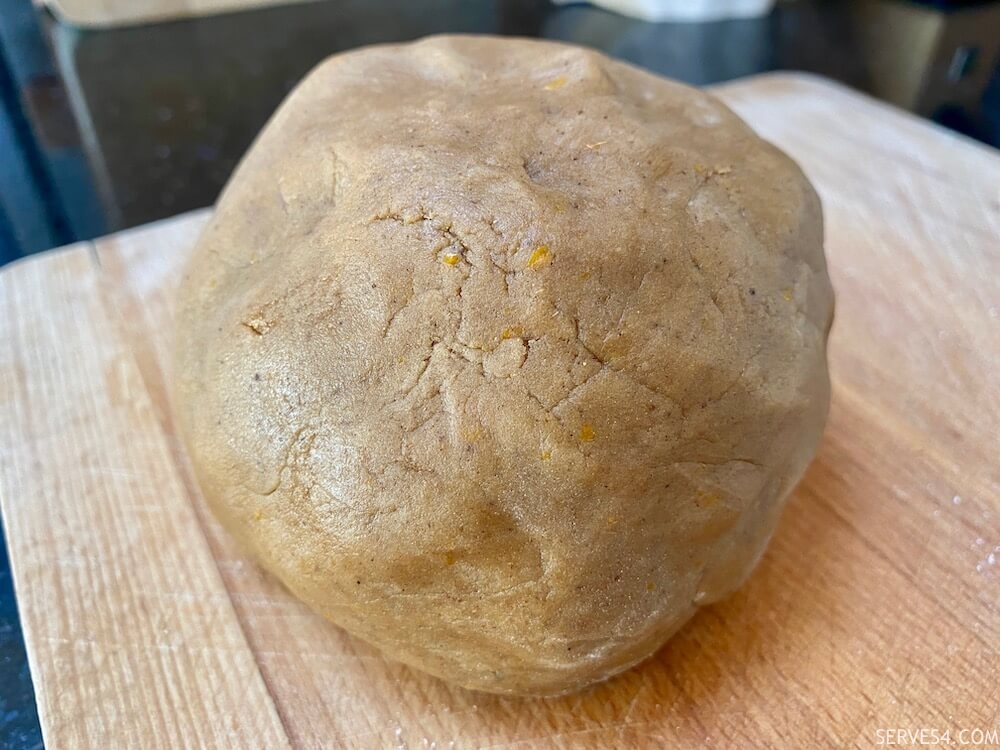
(106, 13)
(877, 605)
(129, 628)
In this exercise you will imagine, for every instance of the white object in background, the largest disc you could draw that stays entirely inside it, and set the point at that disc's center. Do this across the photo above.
(684, 10)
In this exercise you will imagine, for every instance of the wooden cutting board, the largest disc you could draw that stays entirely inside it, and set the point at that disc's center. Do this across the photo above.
(877, 605)
(107, 13)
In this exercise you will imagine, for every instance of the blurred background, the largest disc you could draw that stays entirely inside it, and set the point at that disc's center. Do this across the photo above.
(114, 113)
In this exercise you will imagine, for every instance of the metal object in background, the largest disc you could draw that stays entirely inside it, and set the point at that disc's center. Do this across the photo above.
(46, 194)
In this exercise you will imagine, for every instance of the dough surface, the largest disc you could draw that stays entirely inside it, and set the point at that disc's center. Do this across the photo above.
(504, 356)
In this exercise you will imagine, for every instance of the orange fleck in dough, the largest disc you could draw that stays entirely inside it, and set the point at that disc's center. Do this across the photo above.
(540, 256)
(452, 221)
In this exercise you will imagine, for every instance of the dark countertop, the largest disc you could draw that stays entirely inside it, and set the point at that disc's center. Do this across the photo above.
(102, 130)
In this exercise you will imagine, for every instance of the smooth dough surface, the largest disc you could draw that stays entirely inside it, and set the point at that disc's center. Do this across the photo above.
(504, 356)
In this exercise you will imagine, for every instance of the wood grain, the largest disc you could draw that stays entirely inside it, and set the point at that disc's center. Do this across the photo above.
(877, 605)
(107, 13)
(131, 634)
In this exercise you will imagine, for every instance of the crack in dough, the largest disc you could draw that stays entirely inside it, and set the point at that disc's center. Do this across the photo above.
(505, 377)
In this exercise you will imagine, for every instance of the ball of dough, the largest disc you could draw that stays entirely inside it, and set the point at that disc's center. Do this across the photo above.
(504, 356)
